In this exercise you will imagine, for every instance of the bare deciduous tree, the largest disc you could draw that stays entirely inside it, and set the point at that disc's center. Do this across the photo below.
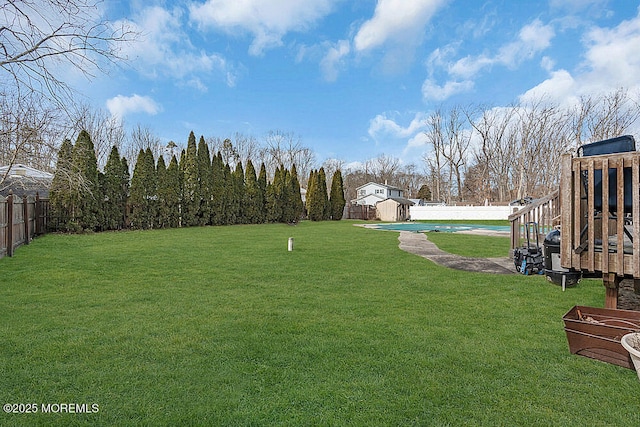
(383, 168)
(603, 116)
(29, 133)
(41, 39)
(612, 115)
(495, 153)
(330, 167)
(434, 161)
(141, 138)
(409, 180)
(105, 129)
(457, 140)
(286, 149)
(42, 43)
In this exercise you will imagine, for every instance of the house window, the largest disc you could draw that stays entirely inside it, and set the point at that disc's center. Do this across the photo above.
(362, 192)
(379, 191)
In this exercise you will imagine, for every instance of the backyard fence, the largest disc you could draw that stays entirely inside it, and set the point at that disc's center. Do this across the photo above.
(363, 212)
(21, 218)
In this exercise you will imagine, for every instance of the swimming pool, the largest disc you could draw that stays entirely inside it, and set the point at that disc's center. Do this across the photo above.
(420, 227)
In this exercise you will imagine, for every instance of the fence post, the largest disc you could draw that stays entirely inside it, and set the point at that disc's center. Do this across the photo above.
(10, 224)
(25, 216)
(37, 212)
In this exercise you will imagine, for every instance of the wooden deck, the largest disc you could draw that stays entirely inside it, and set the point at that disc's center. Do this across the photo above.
(601, 234)
(594, 233)
(599, 217)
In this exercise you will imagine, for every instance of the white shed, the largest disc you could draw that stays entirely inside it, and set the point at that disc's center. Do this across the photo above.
(394, 209)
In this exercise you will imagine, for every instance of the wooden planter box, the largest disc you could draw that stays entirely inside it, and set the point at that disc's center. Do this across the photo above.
(596, 333)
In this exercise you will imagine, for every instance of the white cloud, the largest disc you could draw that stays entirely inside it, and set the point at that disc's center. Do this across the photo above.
(611, 62)
(547, 63)
(400, 21)
(267, 20)
(612, 57)
(532, 39)
(419, 140)
(434, 92)
(334, 60)
(558, 87)
(120, 106)
(441, 57)
(382, 125)
(165, 50)
(576, 5)
(387, 131)
(469, 66)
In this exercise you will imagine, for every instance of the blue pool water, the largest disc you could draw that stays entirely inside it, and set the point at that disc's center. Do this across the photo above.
(418, 227)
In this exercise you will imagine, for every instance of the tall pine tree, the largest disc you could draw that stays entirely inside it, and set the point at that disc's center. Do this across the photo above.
(229, 209)
(298, 205)
(239, 193)
(262, 185)
(311, 202)
(171, 189)
(191, 185)
(336, 198)
(112, 207)
(62, 189)
(218, 195)
(254, 203)
(182, 162)
(83, 157)
(322, 187)
(274, 197)
(163, 208)
(138, 198)
(144, 194)
(125, 182)
(205, 174)
(151, 187)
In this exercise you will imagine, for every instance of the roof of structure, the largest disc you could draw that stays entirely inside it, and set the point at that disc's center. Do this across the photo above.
(390, 187)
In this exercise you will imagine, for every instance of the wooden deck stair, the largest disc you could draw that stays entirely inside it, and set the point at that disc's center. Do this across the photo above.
(544, 211)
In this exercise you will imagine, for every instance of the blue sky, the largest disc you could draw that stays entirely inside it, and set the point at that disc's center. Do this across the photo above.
(356, 79)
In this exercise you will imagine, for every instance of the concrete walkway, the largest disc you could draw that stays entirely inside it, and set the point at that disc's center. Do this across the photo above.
(417, 243)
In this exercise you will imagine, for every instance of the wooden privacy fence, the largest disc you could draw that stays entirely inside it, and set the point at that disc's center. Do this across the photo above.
(601, 214)
(21, 218)
(544, 211)
(367, 213)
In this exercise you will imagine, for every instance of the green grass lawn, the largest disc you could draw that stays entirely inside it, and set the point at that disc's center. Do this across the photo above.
(224, 326)
(472, 245)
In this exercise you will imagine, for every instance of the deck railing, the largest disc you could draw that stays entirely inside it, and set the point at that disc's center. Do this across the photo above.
(545, 212)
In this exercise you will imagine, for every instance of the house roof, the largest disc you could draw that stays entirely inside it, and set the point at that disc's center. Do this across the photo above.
(19, 170)
(367, 196)
(24, 181)
(390, 187)
(399, 200)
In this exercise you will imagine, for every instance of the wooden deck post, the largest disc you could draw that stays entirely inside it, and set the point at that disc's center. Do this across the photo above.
(611, 282)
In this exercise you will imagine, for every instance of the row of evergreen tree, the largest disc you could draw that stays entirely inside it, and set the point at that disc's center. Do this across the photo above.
(197, 190)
